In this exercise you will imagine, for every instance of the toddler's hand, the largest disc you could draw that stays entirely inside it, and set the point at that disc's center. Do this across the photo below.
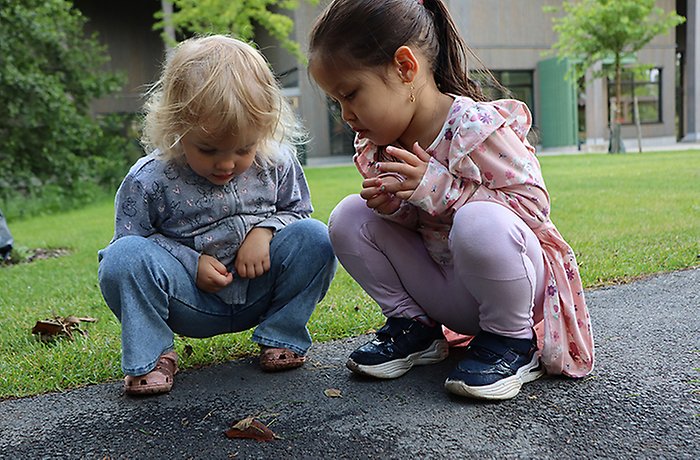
(412, 169)
(212, 275)
(253, 258)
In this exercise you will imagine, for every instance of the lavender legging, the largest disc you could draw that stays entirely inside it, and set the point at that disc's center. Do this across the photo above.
(495, 284)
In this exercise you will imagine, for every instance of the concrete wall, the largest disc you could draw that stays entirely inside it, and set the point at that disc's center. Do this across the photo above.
(515, 35)
(126, 28)
(313, 109)
(691, 47)
(505, 34)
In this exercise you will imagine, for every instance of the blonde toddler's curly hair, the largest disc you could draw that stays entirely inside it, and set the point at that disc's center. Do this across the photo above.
(226, 85)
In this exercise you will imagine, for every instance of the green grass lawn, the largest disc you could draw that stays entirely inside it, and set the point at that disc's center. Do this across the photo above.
(626, 216)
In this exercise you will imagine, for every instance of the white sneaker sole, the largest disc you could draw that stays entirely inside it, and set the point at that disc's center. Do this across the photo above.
(437, 352)
(507, 388)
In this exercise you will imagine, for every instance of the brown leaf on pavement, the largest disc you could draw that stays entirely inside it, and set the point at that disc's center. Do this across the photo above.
(251, 428)
(333, 393)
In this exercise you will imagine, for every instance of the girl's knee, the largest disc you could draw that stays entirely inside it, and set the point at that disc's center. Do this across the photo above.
(480, 229)
(347, 214)
(346, 221)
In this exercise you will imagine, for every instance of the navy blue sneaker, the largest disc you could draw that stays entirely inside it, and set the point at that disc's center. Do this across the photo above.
(496, 367)
(398, 346)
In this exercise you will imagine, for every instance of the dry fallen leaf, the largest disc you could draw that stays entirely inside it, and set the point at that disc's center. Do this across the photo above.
(251, 428)
(333, 393)
(58, 326)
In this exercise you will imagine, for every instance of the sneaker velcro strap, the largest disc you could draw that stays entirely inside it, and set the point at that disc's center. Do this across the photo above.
(395, 327)
(500, 345)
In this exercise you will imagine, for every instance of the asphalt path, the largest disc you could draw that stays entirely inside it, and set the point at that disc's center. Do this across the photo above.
(641, 401)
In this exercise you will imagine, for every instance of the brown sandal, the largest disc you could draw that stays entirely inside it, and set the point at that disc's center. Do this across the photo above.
(159, 380)
(280, 359)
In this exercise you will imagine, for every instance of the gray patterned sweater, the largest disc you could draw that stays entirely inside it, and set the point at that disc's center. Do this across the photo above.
(170, 204)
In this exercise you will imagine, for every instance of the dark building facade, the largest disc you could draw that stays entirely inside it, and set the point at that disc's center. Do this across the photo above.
(513, 39)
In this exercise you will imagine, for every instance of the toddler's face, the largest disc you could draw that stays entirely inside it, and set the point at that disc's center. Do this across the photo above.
(218, 158)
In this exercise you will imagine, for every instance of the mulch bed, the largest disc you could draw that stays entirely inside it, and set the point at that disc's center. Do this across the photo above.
(37, 254)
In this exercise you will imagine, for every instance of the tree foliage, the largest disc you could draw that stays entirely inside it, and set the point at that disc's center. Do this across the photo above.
(50, 72)
(592, 31)
(595, 30)
(238, 18)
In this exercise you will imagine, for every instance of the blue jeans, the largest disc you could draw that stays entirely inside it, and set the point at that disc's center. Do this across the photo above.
(154, 297)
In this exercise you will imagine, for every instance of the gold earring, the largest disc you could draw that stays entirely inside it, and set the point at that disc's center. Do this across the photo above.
(411, 96)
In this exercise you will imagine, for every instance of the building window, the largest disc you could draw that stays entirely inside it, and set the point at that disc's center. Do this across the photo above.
(342, 137)
(518, 82)
(643, 86)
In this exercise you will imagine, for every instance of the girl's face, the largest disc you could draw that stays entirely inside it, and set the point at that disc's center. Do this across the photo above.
(218, 158)
(374, 102)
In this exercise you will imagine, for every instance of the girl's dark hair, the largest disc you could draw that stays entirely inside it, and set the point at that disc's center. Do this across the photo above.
(368, 33)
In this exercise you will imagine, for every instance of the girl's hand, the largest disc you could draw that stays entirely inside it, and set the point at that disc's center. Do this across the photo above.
(412, 169)
(253, 258)
(212, 275)
(384, 203)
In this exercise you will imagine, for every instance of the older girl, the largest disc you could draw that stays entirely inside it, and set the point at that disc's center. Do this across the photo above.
(452, 224)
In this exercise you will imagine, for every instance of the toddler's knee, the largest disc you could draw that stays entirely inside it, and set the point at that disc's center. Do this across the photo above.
(310, 236)
(305, 248)
(316, 237)
(121, 254)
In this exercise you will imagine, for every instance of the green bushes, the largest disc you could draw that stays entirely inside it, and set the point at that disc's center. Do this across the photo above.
(54, 154)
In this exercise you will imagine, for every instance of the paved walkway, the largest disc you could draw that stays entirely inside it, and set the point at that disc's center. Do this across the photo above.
(641, 401)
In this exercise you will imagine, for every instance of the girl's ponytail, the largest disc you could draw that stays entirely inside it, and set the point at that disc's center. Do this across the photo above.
(451, 67)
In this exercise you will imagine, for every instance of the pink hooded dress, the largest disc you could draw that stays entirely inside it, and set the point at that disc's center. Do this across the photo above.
(482, 154)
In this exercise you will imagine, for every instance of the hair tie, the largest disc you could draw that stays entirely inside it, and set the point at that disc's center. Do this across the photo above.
(420, 2)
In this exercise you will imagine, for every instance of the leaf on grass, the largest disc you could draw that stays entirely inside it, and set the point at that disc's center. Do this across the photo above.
(251, 428)
(333, 393)
(58, 326)
(70, 319)
(47, 327)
